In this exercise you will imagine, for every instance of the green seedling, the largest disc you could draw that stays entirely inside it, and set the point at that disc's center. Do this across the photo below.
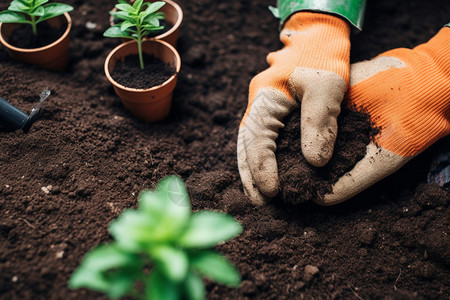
(161, 250)
(136, 21)
(32, 12)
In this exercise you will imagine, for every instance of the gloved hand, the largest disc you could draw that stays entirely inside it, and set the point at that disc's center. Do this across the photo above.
(312, 70)
(407, 94)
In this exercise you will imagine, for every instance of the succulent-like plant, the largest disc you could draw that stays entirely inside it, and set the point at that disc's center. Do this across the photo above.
(161, 249)
(137, 20)
(32, 12)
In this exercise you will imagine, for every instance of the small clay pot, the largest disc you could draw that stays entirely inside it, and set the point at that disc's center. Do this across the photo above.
(51, 57)
(152, 104)
(174, 15)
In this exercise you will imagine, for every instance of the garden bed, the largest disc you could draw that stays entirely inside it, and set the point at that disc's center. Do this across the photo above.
(86, 160)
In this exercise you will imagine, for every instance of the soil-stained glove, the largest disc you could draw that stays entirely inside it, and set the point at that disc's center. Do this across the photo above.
(407, 94)
(311, 71)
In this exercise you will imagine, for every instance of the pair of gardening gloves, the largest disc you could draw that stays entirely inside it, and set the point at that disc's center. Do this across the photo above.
(406, 92)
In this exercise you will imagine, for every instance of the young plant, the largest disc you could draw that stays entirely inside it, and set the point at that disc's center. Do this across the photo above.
(161, 249)
(137, 21)
(32, 12)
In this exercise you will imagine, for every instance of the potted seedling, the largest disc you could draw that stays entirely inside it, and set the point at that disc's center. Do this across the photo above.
(37, 32)
(161, 249)
(173, 17)
(143, 72)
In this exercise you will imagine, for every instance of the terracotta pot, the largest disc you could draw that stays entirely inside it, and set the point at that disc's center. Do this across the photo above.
(152, 104)
(174, 15)
(51, 57)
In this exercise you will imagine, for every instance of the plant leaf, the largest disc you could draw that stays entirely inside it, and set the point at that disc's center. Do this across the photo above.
(160, 15)
(169, 203)
(274, 11)
(122, 15)
(19, 6)
(194, 289)
(208, 228)
(107, 269)
(26, 2)
(151, 30)
(135, 231)
(55, 9)
(39, 2)
(115, 285)
(154, 7)
(126, 7)
(12, 17)
(115, 32)
(172, 262)
(216, 267)
(137, 5)
(38, 12)
(125, 25)
(110, 256)
(160, 288)
(153, 21)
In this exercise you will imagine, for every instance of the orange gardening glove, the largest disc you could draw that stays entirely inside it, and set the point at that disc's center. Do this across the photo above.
(407, 94)
(311, 71)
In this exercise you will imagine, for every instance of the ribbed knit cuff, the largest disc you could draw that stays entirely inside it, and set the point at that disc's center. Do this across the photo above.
(323, 44)
(353, 10)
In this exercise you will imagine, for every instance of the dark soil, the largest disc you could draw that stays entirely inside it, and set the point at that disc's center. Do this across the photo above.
(299, 181)
(130, 74)
(86, 160)
(23, 36)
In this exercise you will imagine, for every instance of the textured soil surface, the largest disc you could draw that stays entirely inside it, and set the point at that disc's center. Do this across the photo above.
(23, 36)
(301, 182)
(130, 74)
(86, 160)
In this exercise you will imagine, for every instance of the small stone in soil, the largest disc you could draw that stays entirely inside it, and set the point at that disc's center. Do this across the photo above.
(130, 74)
(310, 272)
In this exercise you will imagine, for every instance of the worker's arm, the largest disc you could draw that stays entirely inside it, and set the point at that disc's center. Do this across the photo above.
(407, 95)
(310, 72)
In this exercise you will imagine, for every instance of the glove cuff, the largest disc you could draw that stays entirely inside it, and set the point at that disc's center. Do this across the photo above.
(319, 41)
(352, 10)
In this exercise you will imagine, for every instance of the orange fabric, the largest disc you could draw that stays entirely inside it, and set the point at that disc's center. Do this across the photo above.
(411, 104)
(311, 40)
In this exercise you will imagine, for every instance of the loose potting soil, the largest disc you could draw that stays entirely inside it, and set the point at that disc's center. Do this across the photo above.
(23, 36)
(86, 160)
(301, 182)
(130, 74)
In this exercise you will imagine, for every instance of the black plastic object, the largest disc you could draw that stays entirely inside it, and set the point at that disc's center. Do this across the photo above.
(440, 170)
(13, 118)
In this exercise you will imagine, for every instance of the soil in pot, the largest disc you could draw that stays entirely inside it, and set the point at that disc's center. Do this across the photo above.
(299, 181)
(23, 36)
(129, 73)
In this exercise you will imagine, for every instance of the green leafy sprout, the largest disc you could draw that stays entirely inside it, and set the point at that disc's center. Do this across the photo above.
(161, 250)
(32, 12)
(136, 21)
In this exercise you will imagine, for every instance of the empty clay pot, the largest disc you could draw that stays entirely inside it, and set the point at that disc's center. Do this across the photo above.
(152, 104)
(51, 57)
(174, 15)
